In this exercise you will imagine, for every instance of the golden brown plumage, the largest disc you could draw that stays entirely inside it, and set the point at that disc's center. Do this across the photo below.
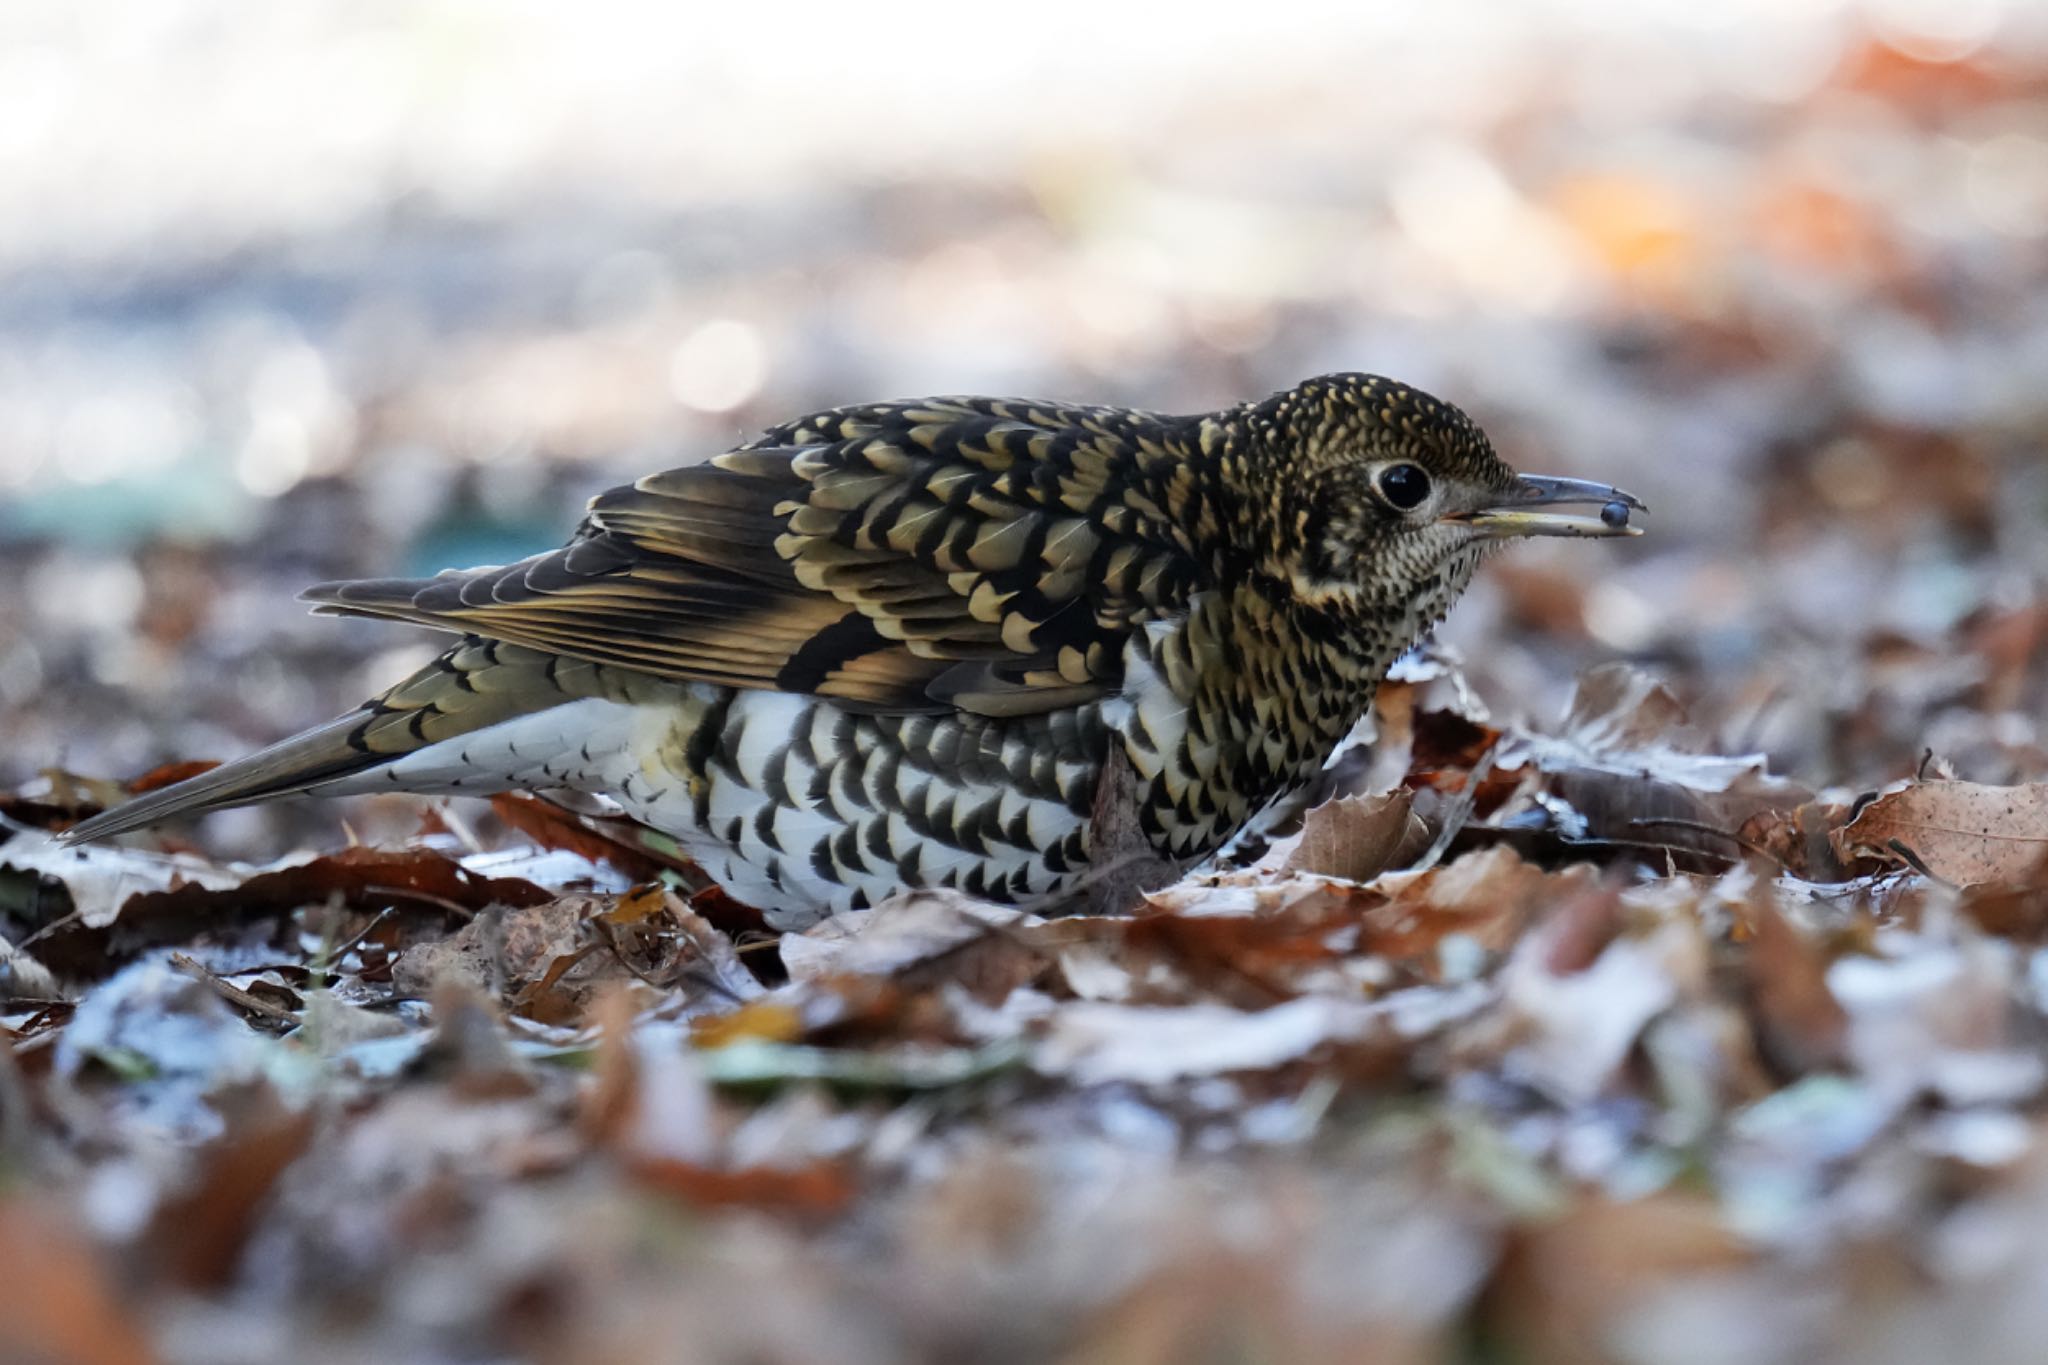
(892, 644)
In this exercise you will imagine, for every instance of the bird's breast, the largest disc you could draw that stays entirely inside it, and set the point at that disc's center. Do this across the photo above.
(1225, 710)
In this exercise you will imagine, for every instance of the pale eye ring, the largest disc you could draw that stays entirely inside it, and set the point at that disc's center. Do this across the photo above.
(1405, 486)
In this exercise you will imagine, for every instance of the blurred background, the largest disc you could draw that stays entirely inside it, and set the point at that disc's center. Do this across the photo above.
(299, 291)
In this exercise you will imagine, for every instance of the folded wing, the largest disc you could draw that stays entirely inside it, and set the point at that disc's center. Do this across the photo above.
(971, 554)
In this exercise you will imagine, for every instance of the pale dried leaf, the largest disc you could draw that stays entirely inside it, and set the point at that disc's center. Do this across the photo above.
(1625, 722)
(1962, 832)
(1092, 1043)
(102, 877)
(1353, 838)
(900, 932)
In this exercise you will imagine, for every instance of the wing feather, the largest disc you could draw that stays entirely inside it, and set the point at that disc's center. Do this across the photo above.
(952, 554)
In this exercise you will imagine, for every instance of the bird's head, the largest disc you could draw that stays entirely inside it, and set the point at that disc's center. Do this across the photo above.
(1378, 498)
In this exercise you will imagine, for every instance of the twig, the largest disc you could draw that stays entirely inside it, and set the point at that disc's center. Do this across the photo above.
(62, 921)
(454, 908)
(353, 941)
(464, 832)
(1701, 827)
(230, 992)
(1457, 812)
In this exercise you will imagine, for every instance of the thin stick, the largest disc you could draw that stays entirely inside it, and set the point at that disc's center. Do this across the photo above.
(1457, 812)
(1701, 827)
(353, 941)
(423, 898)
(230, 992)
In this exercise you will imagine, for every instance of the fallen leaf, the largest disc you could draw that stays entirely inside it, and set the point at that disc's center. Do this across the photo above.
(1574, 1032)
(1626, 722)
(470, 1049)
(102, 878)
(1247, 947)
(198, 1237)
(56, 1302)
(1091, 1043)
(128, 900)
(1487, 896)
(168, 773)
(2012, 910)
(1565, 1283)
(1799, 1023)
(1353, 837)
(771, 1020)
(816, 1190)
(1964, 833)
(640, 903)
(597, 838)
(904, 930)
(1800, 840)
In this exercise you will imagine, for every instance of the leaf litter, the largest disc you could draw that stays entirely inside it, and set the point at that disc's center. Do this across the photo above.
(1564, 1080)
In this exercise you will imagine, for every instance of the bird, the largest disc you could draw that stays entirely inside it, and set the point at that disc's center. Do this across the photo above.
(898, 645)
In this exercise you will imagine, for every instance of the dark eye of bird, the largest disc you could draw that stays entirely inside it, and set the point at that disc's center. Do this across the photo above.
(1404, 485)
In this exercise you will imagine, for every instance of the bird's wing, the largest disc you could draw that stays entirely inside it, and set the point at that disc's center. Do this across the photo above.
(968, 554)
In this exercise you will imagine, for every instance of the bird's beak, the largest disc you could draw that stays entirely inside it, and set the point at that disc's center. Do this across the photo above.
(1525, 510)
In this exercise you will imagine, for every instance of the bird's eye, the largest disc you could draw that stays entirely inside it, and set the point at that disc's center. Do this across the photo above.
(1404, 485)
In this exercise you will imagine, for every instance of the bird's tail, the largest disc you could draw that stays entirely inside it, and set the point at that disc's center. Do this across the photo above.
(476, 684)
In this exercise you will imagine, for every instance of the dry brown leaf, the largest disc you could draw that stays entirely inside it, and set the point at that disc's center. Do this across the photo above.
(1799, 1023)
(102, 878)
(606, 1105)
(642, 902)
(1629, 764)
(128, 899)
(198, 1238)
(1965, 833)
(470, 1047)
(1800, 840)
(1287, 932)
(817, 1190)
(1487, 895)
(903, 931)
(597, 838)
(545, 959)
(773, 1021)
(2016, 911)
(56, 1303)
(1627, 723)
(1092, 1043)
(629, 847)
(1353, 837)
(1564, 1283)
